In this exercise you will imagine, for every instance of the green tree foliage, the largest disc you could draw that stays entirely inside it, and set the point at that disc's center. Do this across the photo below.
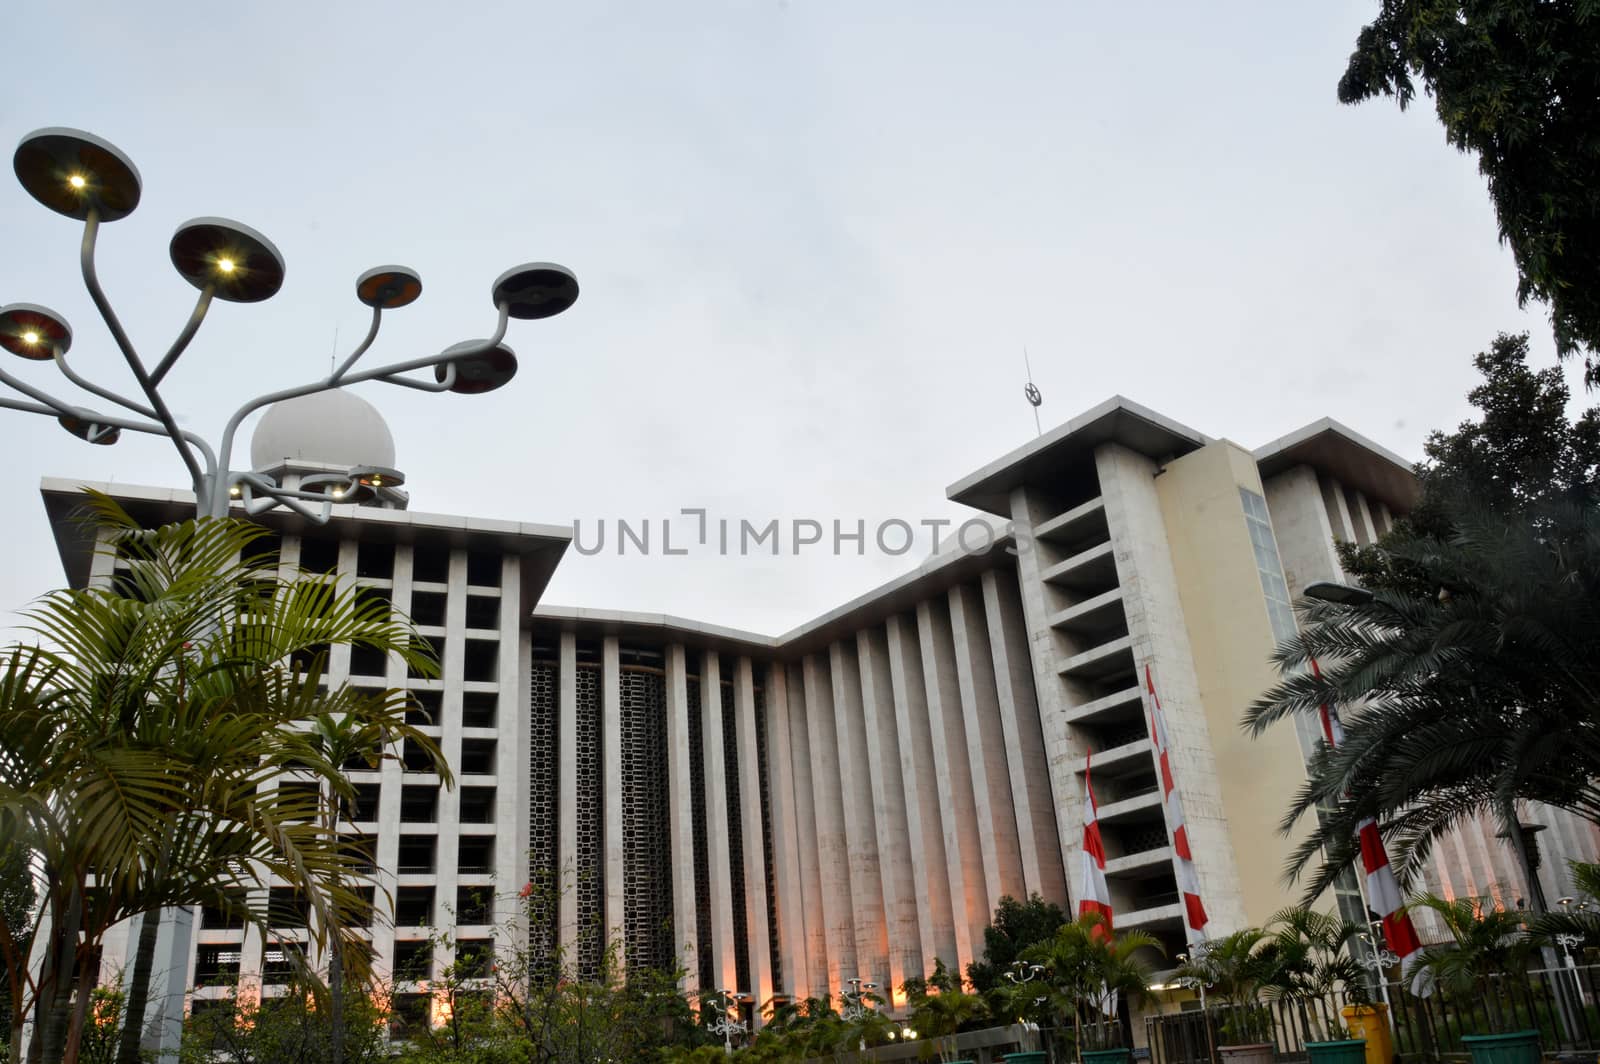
(141, 740)
(1237, 967)
(1084, 963)
(1513, 82)
(1475, 668)
(1484, 940)
(1016, 926)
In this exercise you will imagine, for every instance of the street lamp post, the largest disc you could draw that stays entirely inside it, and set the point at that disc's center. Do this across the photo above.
(728, 1023)
(90, 180)
(85, 178)
(1198, 979)
(855, 1007)
(1567, 940)
(1378, 959)
(1021, 974)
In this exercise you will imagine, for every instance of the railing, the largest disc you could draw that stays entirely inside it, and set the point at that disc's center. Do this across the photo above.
(1562, 1004)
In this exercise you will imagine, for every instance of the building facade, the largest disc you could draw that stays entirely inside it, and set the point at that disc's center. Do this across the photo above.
(852, 799)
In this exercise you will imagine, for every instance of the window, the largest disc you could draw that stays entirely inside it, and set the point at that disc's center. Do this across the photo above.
(413, 959)
(428, 608)
(430, 565)
(363, 850)
(415, 757)
(378, 599)
(483, 612)
(474, 957)
(419, 804)
(477, 757)
(286, 907)
(416, 854)
(368, 661)
(481, 662)
(280, 961)
(479, 709)
(375, 561)
(216, 964)
(408, 1015)
(1280, 612)
(421, 644)
(475, 855)
(413, 906)
(477, 805)
(474, 905)
(299, 800)
(221, 916)
(263, 551)
(428, 710)
(319, 555)
(365, 807)
(483, 570)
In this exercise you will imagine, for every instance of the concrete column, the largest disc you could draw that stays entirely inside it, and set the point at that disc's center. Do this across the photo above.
(611, 769)
(855, 784)
(889, 812)
(991, 776)
(819, 975)
(755, 864)
(1042, 869)
(930, 876)
(1337, 508)
(567, 796)
(1061, 748)
(969, 899)
(833, 847)
(1367, 532)
(717, 824)
(1301, 527)
(787, 891)
(680, 820)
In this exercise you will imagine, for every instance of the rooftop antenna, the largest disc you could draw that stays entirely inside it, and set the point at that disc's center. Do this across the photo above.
(1035, 397)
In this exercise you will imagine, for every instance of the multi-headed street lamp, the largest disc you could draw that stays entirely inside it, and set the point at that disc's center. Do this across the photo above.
(728, 1024)
(855, 1006)
(78, 175)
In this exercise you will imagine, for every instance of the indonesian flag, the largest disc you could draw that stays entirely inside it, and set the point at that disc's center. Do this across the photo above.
(1383, 889)
(1096, 896)
(1188, 879)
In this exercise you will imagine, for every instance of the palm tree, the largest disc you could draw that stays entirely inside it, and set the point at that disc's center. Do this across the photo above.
(1484, 940)
(1308, 959)
(1085, 963)
(941, 1015)
(1476, 671)
(140, 743)
(1238, 966)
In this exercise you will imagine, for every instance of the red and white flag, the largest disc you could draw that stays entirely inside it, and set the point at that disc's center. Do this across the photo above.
(1096, 896)
(1188, 879)
(1383, 889)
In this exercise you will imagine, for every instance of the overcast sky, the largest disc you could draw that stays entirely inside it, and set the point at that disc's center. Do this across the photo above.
(813, 240)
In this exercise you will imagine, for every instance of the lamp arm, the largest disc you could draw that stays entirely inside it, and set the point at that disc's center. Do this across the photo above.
(57, 407)
(190, 327)
(49, 410)
(361, 349)
(225, 452)
(104, 393)
(91, 281)
(426, 386)
(274, 496)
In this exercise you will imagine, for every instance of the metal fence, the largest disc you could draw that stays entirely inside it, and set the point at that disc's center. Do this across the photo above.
(1562, 1004)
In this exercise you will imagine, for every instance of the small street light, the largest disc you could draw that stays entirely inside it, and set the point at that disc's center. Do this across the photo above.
(728, 1023)
(1020, 975)
(1337, 593)
(90, 180)
(855, 1005)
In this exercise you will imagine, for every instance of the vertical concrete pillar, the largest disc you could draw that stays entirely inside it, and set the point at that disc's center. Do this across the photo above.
(1061, 748)
(611, 769)
(833, 847)
(929, 872)
(855, 783)
(969, 898)
(1031, 797)
(717, 824)
(567, 794)
(792, 951)
(986, 751)
(754, 844)
(821, 973)
(680, 820)
(889, 812)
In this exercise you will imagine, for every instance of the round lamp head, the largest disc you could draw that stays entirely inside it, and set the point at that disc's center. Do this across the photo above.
(73, 172)
(375, 477)
(242, 264)
(388, 287)
(94, 432)
(32, 331)
(478, 373)
(355, 493)
(536, 290)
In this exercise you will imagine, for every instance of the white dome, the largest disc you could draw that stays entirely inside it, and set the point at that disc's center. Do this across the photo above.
(331, 428)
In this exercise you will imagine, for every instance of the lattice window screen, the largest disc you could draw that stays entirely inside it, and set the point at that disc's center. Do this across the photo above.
(647, 855)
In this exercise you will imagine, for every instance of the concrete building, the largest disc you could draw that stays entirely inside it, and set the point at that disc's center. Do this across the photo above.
(850, 799)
